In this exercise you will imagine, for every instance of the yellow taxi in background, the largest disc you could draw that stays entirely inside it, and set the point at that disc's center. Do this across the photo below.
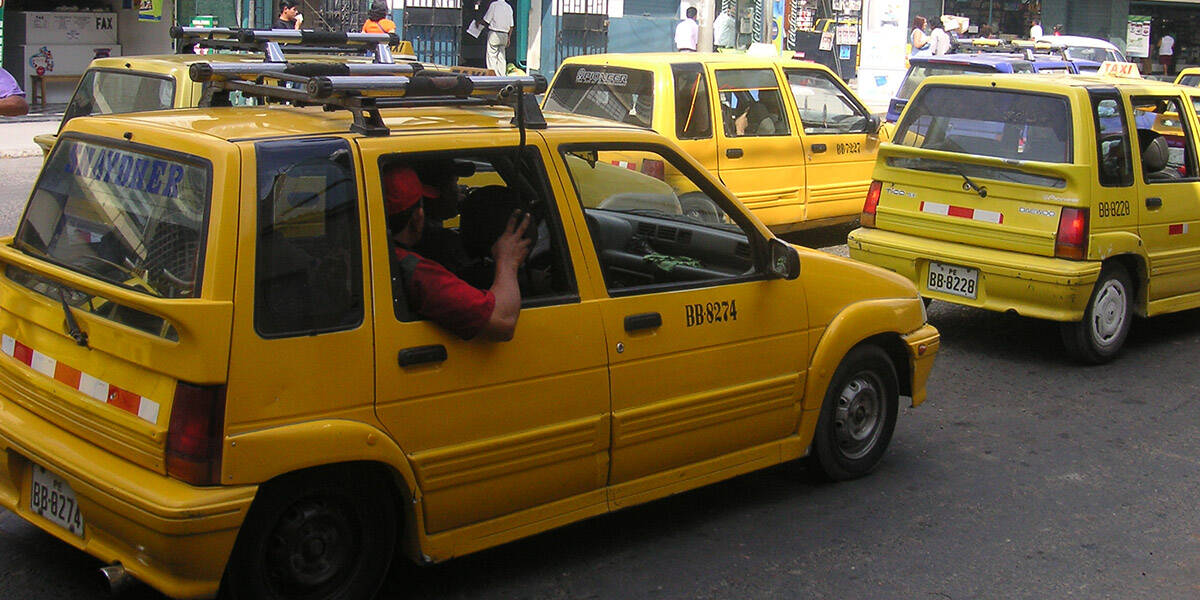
(1074, 200)
(209, 377)
(1189, 77)
(787, 136)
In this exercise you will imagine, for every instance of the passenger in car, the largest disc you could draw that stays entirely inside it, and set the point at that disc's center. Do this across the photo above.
(432, 291)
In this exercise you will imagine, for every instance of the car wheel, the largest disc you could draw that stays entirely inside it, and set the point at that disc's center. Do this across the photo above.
(324, 534)
(1099, 336)
(858, 416)
(701, 207)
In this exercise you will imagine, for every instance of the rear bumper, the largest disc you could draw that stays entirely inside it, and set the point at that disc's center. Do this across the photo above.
(923, 345)
(173, 536)
(1034, 286)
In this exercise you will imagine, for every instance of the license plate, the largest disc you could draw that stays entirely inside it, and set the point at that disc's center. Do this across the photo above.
(53, 499)
(953, 279)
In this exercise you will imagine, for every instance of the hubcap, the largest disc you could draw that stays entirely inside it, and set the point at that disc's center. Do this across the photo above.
(310, 549)
(858, 416)
(1108, 315)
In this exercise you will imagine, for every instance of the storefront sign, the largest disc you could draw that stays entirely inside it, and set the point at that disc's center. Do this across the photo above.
(1137, 37)
(150, 10)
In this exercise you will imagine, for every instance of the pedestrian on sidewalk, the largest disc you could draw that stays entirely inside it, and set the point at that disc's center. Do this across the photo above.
(1166, 52)
(12, 98)
(377, 19)
(499, 21)
(289, 16)
(1035, 30)
(725, 29)
(687, 32)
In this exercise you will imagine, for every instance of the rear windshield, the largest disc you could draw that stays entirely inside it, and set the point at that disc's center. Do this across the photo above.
(613, 93)
(1096, 54)
(108, 92)
(989, 122)
(127, 217)
(1190, 80)
(919, 72)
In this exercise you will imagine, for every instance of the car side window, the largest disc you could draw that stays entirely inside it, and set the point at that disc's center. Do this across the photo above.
(478, 190)
(693, 118)
(751, 103)
(825, 107)
(657, 224)
(1164, 139)
(308, 262)
(1113, 150)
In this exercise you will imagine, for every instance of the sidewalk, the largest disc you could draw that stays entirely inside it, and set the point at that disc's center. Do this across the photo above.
(16, 133)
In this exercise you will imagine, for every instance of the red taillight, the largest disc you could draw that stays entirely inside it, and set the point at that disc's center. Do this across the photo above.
(1071, 241)
(653, 168)
(195, 434)
(867, 219)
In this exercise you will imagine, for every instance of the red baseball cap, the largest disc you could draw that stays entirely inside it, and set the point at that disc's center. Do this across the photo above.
(402, 189)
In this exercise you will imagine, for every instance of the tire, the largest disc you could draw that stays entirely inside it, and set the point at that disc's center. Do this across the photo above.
(857, 417)
(323, 534)
(699, 206)
(1099, 336)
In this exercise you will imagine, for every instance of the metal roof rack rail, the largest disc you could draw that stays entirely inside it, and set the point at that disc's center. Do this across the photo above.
(364, 89)
(273, 43)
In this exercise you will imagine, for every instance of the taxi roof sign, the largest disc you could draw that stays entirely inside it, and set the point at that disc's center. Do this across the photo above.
(1113, 68)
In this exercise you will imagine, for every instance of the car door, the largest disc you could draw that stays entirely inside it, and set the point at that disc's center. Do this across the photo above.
(758, 156)
(839, 142)
(1170, 196)
(491, 429)
(707, 355)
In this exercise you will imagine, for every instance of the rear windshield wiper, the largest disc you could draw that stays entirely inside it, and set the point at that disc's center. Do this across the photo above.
(971, 185)
(80, 336)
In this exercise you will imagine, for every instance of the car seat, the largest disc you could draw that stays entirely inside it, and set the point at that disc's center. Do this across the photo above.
(1155, 154)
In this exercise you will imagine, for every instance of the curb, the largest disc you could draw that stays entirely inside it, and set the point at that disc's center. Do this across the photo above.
(21, 152)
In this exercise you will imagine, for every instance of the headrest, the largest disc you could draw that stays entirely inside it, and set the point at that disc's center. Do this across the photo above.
(1154, 150)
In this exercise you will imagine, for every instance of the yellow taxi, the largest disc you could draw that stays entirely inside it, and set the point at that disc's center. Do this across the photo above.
(787, 136)
(210, 379)
(1189, 77)
(1071, 200)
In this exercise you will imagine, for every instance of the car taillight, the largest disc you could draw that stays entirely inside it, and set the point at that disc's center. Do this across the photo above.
(653, 168)
(867, 219)
(195, 434)
(1071, 241)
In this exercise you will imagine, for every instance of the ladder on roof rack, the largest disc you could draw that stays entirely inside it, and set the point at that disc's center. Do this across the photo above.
(364, 89)
(273, 43)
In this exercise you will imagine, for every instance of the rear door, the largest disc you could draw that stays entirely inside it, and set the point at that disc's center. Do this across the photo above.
(837, 140)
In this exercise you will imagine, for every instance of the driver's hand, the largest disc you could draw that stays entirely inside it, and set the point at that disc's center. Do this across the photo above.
(512, 247)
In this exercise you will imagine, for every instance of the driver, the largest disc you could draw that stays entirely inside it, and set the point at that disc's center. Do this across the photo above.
(432, 291)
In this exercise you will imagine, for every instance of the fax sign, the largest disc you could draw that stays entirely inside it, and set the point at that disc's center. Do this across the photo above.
(103, 23)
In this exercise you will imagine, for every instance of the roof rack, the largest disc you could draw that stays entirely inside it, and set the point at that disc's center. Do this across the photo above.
(364, 89)
(273, 43)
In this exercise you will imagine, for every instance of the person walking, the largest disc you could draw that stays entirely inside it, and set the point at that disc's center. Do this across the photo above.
(1166, 52)
(725, 29)
(1035, 30)
(499, 21)
(12, 97)
(377, 19)
(687, 32)
(289, 16)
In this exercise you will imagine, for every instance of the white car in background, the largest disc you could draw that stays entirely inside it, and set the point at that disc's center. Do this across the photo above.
(1083, 51)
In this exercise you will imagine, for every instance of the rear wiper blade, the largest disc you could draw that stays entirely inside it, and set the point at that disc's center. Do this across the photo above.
(971, 185)
(80, 336)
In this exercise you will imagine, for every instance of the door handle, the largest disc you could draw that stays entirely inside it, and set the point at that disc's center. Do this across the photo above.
(418, 355)
(643, 321)
(733, 152)
(1153, 203)
(818, 148)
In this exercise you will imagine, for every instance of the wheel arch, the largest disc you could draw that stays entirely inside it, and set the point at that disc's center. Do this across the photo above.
(1139, 275)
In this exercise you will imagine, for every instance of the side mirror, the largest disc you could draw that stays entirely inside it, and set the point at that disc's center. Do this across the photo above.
(785, 260)
(874, 123)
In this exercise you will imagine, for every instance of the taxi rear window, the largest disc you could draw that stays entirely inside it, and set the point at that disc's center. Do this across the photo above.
(110, 92)
(613, 93)
(120, 214)
(999, 123)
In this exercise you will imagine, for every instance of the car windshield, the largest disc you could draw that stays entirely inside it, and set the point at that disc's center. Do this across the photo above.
(1091, 53)
(613, 93)
(919, 72)
(108, 92)
(131, 218)
(998, 123)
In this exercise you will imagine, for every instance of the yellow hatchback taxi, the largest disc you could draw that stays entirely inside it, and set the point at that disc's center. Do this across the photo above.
(788, 137)
(1073, 200)
(213, 376)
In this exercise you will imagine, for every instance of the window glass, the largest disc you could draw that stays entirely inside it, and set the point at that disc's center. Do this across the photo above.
(656, 223)
(920, 71)
(1112, 144)
(477, 193)
(127, 217)
(751, 104)
(989, 122)
(108, 92)
(693, 119)
(1159, 118)
(308, 270)
(613, 93)
(1190, 80)
(824, 106)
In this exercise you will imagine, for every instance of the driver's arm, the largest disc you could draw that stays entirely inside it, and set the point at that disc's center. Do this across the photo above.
(509, 252)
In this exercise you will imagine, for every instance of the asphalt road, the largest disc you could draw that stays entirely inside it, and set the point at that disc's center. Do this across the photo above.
(1023, 476)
